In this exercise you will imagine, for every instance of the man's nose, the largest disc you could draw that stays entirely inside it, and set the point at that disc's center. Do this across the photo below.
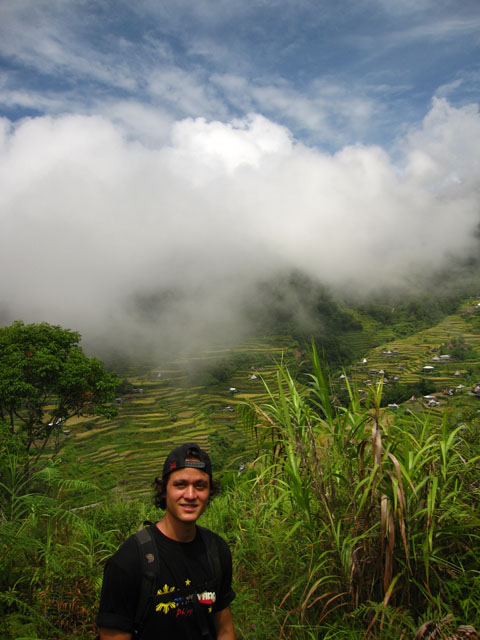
(190, 492)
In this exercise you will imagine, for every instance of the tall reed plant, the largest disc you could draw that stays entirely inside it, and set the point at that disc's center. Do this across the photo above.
(386, 504)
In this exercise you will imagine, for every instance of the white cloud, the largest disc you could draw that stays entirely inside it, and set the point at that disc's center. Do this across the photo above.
(50, 41)
(150, 125)
(218, 147)
(465, 84)
(441, 29)
(185, 92)
(227, 59)
(448, 143)
(91, 217)
(330, 112)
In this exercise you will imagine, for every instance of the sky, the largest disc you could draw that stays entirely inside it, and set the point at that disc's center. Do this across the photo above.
(160, 159)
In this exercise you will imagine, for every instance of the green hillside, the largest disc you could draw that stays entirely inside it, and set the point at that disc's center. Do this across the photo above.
(179, 401)
(190, 398)
(445, 359)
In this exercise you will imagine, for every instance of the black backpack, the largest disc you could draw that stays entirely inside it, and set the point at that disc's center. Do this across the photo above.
(151, 563)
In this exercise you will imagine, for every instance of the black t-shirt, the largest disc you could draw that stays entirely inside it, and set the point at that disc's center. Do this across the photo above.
(184, 570)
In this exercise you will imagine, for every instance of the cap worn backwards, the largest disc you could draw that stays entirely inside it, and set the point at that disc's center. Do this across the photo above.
(176, 459)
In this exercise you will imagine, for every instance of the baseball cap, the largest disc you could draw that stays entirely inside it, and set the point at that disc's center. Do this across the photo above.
(176, 459)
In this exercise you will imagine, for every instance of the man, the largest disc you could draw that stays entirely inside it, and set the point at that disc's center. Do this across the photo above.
(191, 591)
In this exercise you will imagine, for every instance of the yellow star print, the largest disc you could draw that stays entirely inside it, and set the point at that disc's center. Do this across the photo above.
(188, 582)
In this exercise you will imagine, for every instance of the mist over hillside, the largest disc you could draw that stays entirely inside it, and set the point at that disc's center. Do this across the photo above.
(292, 304)
(172, 246)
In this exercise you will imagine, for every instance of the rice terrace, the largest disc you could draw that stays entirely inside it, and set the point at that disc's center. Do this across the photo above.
(169, 403)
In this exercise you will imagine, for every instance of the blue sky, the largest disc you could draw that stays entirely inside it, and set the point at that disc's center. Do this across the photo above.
(334, 73)
(200, 147)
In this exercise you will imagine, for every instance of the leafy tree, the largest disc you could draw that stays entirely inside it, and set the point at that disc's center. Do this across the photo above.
(45, 378)
(458, 349)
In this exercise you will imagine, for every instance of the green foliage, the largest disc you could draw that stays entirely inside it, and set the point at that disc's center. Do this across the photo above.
(407, 317)
(349, 522)
(208, 372)
(45, 549)
(302, 307)
(124, 388)
(44, 555)
(45, 378)
(458, 349)
(381, 513)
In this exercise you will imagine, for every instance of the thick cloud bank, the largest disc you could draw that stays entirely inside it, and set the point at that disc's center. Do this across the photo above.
(107, 235)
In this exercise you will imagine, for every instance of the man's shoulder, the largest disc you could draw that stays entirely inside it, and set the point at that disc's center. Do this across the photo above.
(127, 556)
(210, 537)
(217, 549)
(220, 560)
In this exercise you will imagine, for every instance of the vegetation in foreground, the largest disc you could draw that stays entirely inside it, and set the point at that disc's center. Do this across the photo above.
(45, 379)
(375, 513)
(352, 522)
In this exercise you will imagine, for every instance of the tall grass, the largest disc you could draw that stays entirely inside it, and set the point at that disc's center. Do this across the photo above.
(383, 509)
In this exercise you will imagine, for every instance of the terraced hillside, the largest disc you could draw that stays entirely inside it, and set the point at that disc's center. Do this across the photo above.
(428, 355)
(193, 398)
(169, 404)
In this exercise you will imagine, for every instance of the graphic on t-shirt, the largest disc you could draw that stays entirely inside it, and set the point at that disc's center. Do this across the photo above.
(207, 597)
(184, 603)
(165, 606)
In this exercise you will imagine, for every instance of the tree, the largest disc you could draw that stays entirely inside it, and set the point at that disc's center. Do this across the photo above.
(45, 378)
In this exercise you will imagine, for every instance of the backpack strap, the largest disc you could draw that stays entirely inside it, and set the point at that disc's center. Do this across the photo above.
(210, 542)
(213, 554)
(150, 569)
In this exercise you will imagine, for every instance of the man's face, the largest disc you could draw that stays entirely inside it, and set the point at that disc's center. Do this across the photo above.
(187, 494)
